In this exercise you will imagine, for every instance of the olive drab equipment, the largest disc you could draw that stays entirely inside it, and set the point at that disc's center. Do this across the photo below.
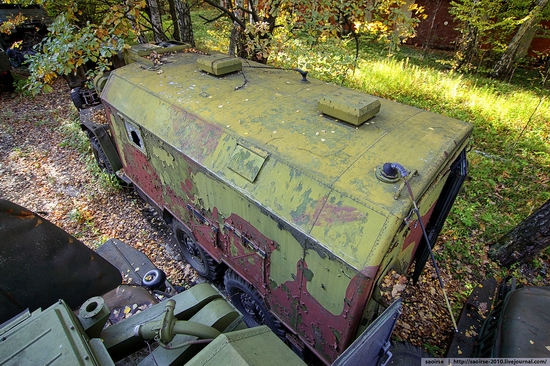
(285, 183)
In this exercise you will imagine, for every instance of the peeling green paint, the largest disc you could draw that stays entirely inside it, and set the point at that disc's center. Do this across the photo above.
(308, 274)
(326, 288)
(337, 334)
(261, 163)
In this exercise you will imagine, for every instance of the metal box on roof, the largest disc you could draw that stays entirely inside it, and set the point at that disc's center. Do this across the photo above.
(219, 64)
(354, 108)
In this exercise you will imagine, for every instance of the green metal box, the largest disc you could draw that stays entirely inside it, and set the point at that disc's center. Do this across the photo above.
(354, 108)
(219, 64)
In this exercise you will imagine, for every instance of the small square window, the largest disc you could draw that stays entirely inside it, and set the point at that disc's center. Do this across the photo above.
(134, 135)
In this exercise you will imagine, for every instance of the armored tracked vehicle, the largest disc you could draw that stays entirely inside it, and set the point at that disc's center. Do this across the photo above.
(295, 190)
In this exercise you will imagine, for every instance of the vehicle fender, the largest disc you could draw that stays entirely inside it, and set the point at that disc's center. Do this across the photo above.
(102, 134)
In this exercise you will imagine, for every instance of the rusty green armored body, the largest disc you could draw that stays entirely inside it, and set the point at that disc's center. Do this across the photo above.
(285, 182)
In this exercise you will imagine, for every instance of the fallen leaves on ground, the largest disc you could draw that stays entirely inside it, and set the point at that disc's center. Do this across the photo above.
(41, 171)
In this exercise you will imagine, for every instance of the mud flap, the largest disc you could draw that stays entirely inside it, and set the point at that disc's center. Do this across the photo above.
(102, 133)
(470, 321)
(373, 345)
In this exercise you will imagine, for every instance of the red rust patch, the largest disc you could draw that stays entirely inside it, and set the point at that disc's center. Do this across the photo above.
(187, 187)
(248, 251)
(140, 170)
(23, 214)
(316, 325)
(327, 213)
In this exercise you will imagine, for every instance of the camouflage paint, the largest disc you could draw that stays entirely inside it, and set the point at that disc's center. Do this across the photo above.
(287, 197)
(328, 333)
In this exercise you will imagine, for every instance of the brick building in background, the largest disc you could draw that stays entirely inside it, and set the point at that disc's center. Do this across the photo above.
(438, 30)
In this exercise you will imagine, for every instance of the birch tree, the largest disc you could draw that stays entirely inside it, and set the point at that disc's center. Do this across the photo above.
(516, 48)
(181, 18)
(156, 21)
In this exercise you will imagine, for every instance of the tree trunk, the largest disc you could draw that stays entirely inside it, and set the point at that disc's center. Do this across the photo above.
(236, 40)
(431, 31)
(505, 65)
(468, 48)
(526, 240)
(181, 16)
(156, 21)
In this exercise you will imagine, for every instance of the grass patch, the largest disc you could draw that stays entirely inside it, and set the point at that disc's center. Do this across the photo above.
(76, 139)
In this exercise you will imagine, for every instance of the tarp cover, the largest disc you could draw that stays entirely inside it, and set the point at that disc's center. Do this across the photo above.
(40, 264)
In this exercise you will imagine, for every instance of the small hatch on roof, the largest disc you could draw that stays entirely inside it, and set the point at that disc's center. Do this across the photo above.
(219, 64)
(349, 106)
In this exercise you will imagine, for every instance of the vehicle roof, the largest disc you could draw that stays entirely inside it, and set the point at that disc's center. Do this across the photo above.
(328, 167)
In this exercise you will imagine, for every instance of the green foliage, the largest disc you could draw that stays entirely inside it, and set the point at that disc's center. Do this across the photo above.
(82, 32)
(76, 139)
(211, 35)
(280, 26)
(486, 27)
(329, 60)
(20, 86)
(314, 21)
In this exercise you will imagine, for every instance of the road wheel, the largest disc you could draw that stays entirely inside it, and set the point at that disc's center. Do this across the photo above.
(406, 354)
(249, 302)
(77, 98)
(154, 279)
(100, 156)
(205, 265)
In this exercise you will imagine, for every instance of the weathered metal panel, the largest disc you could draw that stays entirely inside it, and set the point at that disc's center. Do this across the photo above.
(52, 336)
(247, 347)
(286, 196)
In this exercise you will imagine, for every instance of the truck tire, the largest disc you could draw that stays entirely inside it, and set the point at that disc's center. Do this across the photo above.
(6, 81)
(407, 354)
(77, 99)
(100, 157)
(204, 264)
(249, 302)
